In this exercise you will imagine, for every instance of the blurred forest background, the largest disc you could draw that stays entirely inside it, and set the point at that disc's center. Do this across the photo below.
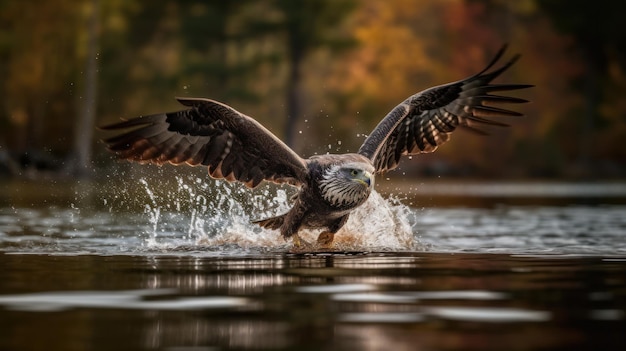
(318, 73)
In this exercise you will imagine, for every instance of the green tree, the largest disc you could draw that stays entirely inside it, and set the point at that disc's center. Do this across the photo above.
(38, 64)
(308, 25)
(228, 43)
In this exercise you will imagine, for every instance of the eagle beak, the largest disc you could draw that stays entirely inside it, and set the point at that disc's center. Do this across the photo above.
(365, 179)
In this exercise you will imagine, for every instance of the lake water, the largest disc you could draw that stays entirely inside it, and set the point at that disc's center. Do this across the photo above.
(172, 263)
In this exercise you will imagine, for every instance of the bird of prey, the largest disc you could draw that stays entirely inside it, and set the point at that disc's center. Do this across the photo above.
(236, 147)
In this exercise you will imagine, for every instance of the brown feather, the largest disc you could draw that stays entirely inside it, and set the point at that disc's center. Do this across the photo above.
(212, 134)
(425, 120)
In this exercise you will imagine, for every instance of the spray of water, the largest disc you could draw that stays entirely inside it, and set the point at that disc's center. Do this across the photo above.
(217, 215)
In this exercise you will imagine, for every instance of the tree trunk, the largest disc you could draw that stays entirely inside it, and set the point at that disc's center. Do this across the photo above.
(594, 62)
(293, 95)
(83, 135)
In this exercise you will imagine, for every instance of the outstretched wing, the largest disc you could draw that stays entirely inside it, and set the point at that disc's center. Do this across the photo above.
(232, 145)
(425, 120)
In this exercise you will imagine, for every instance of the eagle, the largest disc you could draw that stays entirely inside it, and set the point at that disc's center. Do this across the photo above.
(235, 147)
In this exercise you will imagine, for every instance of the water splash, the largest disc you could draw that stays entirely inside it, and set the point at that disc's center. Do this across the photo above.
(217, 215)
(381, 224)
(153, 211)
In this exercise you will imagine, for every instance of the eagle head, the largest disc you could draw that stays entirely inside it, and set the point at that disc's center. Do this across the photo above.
(348, 184)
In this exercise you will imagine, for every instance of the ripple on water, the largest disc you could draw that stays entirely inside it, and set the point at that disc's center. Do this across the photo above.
(124, 299)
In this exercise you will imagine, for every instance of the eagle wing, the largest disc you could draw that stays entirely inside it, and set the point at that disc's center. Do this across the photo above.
(425, 120)
(232, 145)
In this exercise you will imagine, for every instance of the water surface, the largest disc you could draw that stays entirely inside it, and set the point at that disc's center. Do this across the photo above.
(179, 267)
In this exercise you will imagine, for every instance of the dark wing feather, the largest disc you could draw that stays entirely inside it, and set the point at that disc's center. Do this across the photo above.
(232, 145)
(425, 120)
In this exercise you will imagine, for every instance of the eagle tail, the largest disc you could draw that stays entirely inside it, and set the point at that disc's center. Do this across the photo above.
(272, 222)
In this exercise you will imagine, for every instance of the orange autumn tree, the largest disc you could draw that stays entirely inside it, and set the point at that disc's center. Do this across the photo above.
(405, 48)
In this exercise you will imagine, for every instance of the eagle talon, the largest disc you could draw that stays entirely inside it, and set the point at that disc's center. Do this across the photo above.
(325, 240)
(300, 244)
(297, 241)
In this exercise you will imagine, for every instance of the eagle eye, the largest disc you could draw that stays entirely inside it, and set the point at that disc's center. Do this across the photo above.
(354, 172)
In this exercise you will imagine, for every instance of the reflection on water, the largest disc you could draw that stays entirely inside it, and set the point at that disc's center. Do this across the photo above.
(179, 267)
(433, 301)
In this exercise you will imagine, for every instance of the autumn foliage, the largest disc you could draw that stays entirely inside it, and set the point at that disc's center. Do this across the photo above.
(322, 81)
